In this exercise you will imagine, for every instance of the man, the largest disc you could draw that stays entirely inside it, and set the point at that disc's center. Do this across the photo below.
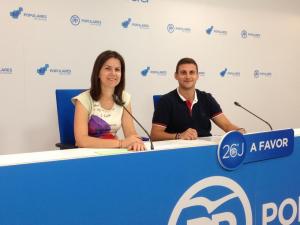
(185, 112)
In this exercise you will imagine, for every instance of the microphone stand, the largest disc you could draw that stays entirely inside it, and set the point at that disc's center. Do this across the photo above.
(239, 105)
(121, 103)
(151, 143)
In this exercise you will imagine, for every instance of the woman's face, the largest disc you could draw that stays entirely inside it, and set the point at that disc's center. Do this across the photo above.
(110, 73)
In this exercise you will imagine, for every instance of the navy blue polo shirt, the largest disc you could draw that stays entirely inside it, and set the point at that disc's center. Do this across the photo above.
(173, 113)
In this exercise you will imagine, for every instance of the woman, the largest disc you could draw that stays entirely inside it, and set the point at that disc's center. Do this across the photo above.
(99, 112)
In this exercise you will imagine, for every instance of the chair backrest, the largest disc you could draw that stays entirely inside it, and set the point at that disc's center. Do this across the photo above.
(65, 114)
(156, 100)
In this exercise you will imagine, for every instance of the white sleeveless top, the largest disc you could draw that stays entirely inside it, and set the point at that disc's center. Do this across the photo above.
(102, 123)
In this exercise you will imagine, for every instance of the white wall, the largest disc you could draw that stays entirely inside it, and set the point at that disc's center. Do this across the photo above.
(28, 120)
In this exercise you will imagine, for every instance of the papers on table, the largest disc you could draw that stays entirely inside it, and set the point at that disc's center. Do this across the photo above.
(171, 144)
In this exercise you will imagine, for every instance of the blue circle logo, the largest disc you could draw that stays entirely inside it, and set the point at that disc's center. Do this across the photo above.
(244, 34)
(232, 150)
(75, 20)
(256, 73)
(171, 28)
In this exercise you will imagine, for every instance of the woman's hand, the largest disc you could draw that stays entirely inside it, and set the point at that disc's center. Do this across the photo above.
(136, 147)
(133, 143)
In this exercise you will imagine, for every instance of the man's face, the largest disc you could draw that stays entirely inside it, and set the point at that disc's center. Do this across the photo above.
(187, 76)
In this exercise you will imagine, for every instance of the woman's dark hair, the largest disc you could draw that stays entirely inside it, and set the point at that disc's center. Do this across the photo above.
(186, 61)
(95, 89)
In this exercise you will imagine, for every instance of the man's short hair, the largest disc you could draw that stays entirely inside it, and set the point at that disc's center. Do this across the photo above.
(186, 61)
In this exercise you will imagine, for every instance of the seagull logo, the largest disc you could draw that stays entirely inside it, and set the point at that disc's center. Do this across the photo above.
(126, 23)
(42, 70)
(223, 72)
(16, 13)
(209, 30)
(144, 72)
(188, 200)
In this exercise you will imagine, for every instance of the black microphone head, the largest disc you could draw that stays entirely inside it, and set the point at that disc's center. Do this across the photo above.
(237, 104)
(117, 100)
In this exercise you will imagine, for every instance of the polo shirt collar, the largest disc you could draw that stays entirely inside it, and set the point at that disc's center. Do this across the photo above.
(184, 99)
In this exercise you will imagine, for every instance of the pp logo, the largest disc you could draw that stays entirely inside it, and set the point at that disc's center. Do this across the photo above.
(256, 73)
(170, 28)
(244, 34)
(217, 211)
(75, 20)
(232, 150)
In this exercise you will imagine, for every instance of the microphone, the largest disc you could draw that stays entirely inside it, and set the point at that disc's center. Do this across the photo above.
(121, 103)
(239, 105)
